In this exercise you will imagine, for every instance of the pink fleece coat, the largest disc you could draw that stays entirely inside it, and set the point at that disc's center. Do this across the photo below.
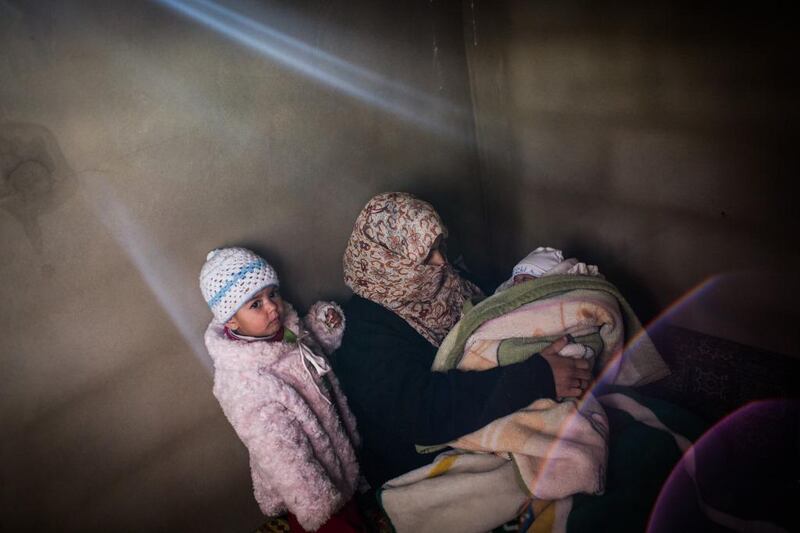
(302, 448)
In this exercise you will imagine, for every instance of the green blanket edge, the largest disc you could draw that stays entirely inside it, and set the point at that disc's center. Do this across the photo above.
(452, 348)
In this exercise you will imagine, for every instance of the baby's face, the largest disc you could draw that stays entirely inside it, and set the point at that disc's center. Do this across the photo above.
(261, 316)
(522, 278)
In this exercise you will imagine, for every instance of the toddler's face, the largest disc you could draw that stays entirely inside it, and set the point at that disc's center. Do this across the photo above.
(261, 316)
(522, 278)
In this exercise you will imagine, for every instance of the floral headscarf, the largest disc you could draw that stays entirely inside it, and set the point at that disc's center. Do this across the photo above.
(385, 262)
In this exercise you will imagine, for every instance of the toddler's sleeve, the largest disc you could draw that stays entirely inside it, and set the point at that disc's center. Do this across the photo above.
(328, 337)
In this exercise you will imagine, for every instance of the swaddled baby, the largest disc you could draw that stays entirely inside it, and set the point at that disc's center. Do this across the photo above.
(559, 448)
(545, 261)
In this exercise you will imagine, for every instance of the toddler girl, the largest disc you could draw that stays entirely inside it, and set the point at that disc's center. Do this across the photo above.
(276, 389)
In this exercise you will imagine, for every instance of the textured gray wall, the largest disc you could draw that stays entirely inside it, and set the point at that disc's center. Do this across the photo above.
(133, 141)
(656, 141)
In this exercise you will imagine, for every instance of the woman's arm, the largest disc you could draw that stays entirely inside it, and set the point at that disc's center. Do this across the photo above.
(454, 403)
(386, 373)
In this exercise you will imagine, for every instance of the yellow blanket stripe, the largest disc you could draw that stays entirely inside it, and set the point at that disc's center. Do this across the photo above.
(545, 513)
(442, 466)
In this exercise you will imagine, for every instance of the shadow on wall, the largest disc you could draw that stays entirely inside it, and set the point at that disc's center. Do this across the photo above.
(453, 206)
(472, 237)
(35, 176)
(632, 287)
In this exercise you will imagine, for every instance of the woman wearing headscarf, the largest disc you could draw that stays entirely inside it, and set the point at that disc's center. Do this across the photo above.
(407, 297)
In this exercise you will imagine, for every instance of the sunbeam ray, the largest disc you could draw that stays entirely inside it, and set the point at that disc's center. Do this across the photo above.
(431, 113)
(169, 287)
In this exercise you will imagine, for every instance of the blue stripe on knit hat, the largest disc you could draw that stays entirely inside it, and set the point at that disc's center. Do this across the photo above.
(245, 270)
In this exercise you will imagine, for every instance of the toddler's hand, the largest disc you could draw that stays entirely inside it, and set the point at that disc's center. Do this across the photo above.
(332, 318)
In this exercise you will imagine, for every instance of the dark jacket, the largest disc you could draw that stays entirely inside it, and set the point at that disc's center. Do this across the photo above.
(384, 367)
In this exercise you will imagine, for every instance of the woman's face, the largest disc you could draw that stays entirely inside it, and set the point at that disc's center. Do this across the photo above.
(436, 257)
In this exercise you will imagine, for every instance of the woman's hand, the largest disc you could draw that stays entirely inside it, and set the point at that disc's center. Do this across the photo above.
(571, 376)
(332, 318)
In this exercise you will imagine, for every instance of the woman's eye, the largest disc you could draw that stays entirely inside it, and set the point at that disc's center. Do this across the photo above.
(256, 304)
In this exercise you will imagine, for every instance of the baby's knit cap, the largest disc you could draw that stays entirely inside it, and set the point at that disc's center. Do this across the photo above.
(538, 262)
(230, 277)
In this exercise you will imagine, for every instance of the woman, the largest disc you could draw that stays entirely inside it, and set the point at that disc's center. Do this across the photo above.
(407, 297)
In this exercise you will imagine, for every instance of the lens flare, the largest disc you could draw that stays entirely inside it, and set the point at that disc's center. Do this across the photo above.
(748, 462)
(586, 409)
(734, 424)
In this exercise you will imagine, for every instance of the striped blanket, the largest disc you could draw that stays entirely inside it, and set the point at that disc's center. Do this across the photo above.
(475, 492)
(549, 450)
(522, 320)
(558, 448)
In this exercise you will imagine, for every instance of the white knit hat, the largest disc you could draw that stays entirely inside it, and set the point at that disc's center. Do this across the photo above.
(538, 262)
(230, 277)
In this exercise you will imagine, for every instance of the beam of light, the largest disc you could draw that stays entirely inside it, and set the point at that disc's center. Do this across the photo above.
(169, 286)
(430, 113)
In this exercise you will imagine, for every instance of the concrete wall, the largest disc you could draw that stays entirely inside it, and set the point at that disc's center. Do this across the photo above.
(654, 140)
(133, 140)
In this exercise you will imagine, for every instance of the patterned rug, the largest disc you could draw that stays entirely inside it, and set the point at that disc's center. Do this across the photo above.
(713, 377)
